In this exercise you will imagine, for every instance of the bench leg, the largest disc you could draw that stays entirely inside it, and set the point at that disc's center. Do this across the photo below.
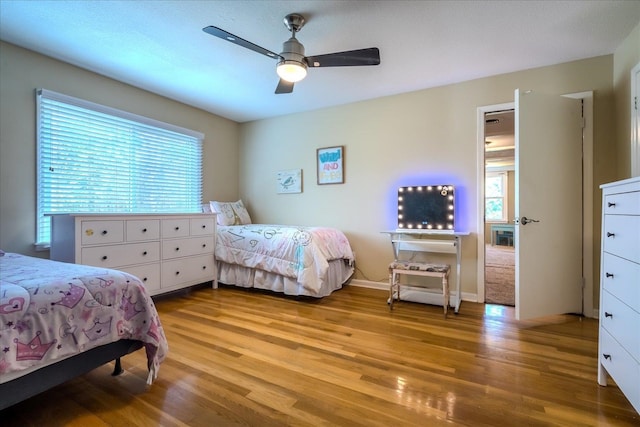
(445, 293)
(394, 288)
(391, 278)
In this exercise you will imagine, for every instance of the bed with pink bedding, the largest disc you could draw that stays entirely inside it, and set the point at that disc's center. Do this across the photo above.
(294, 260)
(60, 320)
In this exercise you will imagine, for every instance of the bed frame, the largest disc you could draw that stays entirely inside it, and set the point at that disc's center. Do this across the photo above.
(36, 382)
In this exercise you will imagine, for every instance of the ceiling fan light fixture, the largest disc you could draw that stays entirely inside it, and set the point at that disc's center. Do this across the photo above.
(291, 70)
(292, 62)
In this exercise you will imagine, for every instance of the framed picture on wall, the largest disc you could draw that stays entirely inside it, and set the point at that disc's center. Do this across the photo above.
(290, 181)
(330, 165)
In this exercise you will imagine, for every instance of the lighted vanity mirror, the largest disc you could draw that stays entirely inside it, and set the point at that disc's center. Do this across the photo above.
(426, 207)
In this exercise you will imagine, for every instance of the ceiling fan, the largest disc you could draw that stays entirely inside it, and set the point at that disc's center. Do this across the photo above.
(292, 64)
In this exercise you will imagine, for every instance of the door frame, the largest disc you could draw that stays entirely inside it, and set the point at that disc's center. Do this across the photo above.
(635, 120)
(587, 198)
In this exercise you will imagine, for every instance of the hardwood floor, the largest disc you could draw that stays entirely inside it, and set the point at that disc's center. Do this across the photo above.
(241, 357)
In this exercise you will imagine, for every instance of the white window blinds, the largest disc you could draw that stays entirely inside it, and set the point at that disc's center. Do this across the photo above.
(95, 159)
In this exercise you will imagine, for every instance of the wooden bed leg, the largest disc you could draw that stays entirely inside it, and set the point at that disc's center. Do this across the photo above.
(117, 369)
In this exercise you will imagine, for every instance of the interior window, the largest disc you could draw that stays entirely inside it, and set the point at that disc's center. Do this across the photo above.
(496, 197)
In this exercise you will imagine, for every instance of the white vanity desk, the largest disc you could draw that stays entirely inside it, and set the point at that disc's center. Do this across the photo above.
(416, 241)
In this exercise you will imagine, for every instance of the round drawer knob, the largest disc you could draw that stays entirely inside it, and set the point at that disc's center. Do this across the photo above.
(144, 253)
(204, 226)
(104, 257)
(144, 279)
(177, 228)
(144, 230)
(177, 249)
(177, 272)
(104, 232)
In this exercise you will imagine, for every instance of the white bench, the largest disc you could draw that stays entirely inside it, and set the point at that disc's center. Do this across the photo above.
(398, 268)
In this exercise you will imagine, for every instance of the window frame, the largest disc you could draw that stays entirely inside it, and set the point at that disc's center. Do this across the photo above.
(123, 119)
(504, 197)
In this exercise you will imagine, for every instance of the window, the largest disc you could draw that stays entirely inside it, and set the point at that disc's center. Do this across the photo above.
(495, 205)
(95, 159)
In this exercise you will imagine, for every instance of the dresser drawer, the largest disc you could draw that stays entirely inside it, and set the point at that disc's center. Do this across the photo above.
(621, 366)
(621, 278)
(187, 270)
(622, 203)
(202, 226)
(102, 232)
(120, 255)
(621, 322)
(621, 236)
(175, 227)
(142, 229)
(149, 274)
(187, 247)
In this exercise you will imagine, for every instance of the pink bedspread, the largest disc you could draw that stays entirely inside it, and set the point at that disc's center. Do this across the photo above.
(51, 310)
(302, 253)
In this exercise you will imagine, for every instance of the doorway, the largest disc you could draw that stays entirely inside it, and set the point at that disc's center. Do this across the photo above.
(587, 199)
(499, 178)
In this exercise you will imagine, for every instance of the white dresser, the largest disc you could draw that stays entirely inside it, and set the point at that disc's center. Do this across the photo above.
(619, 335)
(167, 252)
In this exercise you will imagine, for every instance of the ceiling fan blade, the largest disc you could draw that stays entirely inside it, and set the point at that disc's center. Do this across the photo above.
(370, 56)
(225, 35)
(284, 87)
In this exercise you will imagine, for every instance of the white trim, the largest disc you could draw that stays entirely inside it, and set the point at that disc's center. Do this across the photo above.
(635, 121)
(587, 199)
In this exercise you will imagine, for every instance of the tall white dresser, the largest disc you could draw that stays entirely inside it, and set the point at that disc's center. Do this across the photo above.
(619, 338)
(167, 252)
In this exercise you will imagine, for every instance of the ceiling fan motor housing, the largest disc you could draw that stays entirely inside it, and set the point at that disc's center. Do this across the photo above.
(292, 64)
(292, 54)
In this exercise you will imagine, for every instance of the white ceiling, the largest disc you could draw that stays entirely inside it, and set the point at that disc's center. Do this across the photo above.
(160, 46)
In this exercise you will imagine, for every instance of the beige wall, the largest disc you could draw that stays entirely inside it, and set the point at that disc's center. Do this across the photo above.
(419, 137)
(422, 137)
(22, 71)
(625, 58)
(606, 167)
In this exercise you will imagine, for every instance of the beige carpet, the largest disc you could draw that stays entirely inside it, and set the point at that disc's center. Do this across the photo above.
(500, 277)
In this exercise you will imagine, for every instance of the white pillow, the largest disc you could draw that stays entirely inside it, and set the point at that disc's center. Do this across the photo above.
(231, 213)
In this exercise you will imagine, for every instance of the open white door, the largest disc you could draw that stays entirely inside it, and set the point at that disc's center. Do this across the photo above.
(548, 131)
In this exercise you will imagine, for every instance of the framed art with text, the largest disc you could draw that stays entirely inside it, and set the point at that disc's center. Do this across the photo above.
(330, 165)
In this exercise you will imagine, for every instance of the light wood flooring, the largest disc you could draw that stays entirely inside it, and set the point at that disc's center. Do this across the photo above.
(241, 357)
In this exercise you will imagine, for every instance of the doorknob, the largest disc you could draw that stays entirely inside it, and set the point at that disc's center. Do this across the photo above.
(524, 220)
